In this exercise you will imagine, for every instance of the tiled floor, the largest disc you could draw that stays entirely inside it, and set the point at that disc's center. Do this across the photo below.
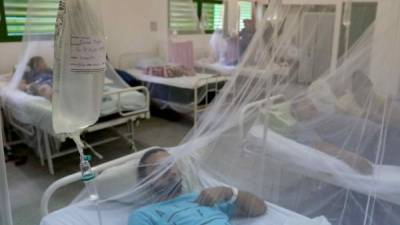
(28, 182)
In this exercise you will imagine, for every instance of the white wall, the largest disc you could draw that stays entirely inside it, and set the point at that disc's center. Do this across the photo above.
(9, 55)
(127, 28)
(200, 41)
(385, 66)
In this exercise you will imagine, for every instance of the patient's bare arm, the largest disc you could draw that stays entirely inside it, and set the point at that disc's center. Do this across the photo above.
(23, 85)
(247, 204)
(46, 91)
(359, 163)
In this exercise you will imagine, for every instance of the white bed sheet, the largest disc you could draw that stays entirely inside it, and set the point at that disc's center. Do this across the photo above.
(114, 215)
(40, 110)
(282, 70)
(188, 82)
(36, 110)
(214, 67)
(384, 181)
(125, 176)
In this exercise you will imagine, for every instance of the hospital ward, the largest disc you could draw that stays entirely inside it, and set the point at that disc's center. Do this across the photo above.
(199, 112)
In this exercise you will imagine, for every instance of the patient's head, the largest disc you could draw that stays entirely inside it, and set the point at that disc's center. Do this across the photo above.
(37, 64)
(249, 25)
(169, 184)
(303, 109)
(361, 86)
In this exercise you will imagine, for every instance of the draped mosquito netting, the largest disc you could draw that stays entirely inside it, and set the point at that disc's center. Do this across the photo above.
(28, 97)
(319, 146)
(230, 26)
(199, 48)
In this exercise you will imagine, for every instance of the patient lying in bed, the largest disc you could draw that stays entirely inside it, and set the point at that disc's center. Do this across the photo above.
(213, 206)
(39, 80)
(336, 134)
(353, 100)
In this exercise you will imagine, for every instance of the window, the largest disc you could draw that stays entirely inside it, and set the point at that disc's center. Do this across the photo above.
(184, 15)
(42, 14)
(363, 14)
(245, 12)
(212, 15)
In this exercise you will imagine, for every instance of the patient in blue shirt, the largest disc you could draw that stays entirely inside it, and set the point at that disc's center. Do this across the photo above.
(39, 79)
(213, 206)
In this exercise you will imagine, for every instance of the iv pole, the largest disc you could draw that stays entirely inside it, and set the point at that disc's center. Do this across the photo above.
(5, 219)
(347, 23)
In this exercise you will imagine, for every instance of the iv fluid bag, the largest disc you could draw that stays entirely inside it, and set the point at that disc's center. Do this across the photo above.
(79, 65)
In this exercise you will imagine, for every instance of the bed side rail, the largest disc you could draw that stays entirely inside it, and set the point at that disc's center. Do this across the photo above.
(256, 105)
(210, 84)
(10, 119)
(124, 112)
(44, 204)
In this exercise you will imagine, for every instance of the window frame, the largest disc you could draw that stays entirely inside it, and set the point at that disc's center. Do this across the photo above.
(199, 12)
(4, 36)
(251, 12)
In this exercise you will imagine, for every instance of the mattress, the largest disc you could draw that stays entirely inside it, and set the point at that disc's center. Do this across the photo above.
(179, 93)
(81, 214)
(384, 181)
(36, 110)
(187, 82)
(214, 67)
(280, 70)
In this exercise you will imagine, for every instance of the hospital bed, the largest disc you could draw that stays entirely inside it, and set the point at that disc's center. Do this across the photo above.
(31, 116)
(280, 71)
(187, 94)
(112, 172)
(382, 183)
(206, 66)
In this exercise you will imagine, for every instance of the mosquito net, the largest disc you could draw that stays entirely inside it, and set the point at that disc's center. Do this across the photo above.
(319, 146)
(231, 26)
(31, 100)
(198, 52)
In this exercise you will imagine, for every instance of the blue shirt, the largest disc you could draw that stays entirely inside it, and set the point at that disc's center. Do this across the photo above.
(182, 210)
(43, 77)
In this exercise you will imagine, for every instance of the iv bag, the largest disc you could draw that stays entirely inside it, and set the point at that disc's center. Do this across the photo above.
(79, 65)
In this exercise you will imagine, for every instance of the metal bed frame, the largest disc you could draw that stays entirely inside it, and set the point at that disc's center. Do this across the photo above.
(261, 106)
(44, 146)
(76, 177)
(44, 204)
(211, 84)
(207, 68)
